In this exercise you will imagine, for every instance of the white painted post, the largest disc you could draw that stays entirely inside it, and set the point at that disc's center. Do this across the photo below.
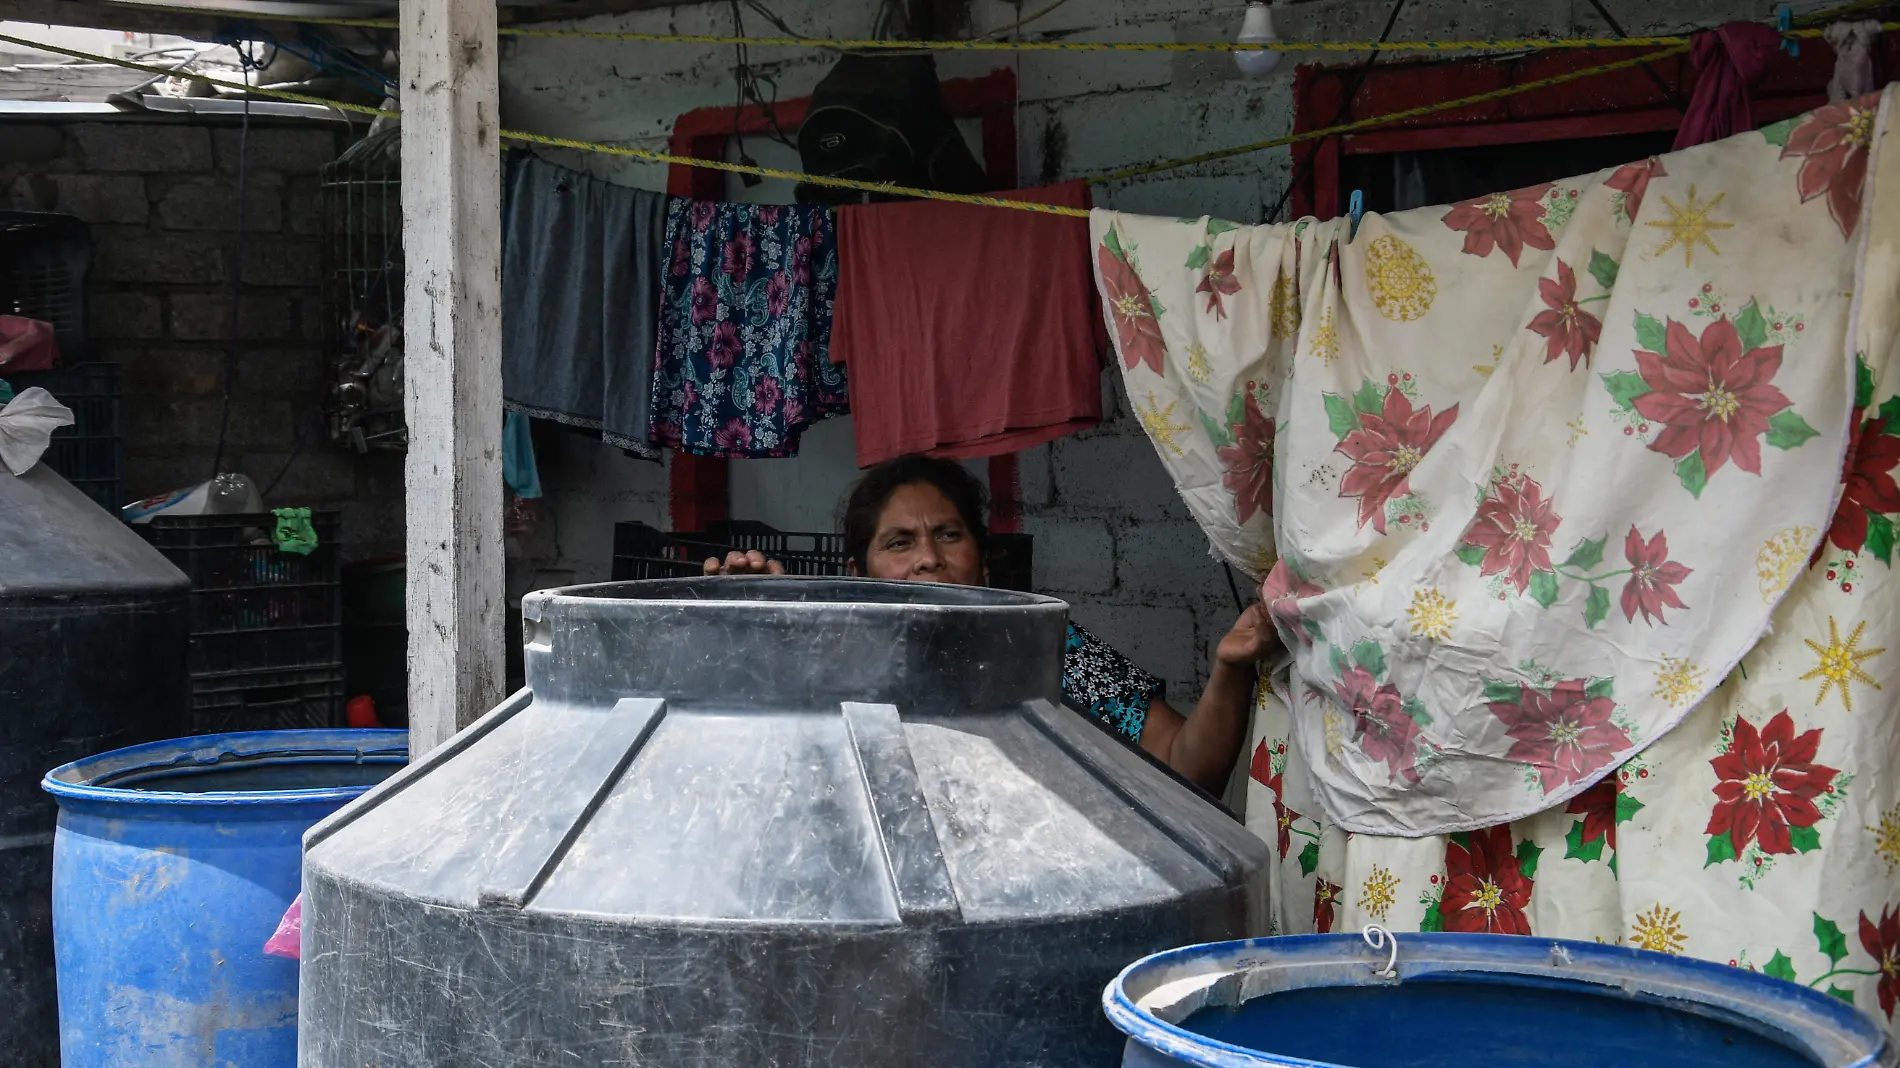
(451, 201)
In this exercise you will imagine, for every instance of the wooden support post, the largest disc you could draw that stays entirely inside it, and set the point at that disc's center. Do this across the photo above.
(451, 200)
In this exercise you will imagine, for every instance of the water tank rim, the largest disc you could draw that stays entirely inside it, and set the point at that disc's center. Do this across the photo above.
(749, 591)
(1809, 1017)
(88, 779)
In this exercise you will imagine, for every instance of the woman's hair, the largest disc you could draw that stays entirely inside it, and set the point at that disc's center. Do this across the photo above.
(865, 503)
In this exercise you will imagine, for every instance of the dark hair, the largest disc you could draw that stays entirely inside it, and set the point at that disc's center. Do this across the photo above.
(865, 503)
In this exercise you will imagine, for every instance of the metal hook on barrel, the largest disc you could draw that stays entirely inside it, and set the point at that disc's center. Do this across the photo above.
(1379, 938)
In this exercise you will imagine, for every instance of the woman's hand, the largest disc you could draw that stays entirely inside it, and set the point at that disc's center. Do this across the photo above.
(1250, 641)
(746, 563)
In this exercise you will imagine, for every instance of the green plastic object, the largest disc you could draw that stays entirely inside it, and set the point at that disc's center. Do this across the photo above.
(294, 534)
(6, 391)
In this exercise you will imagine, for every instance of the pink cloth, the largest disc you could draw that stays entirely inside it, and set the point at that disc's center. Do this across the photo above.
(1728, 60)
(288, 941)
(27, 344)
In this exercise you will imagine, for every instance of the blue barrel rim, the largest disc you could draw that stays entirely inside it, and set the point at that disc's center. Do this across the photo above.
(359, 745)
(1832, 1015)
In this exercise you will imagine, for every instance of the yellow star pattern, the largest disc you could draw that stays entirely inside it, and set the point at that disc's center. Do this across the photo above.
(1324, 343)
(1577, 430)
(1690, 225)
(1659, 930)
(1887, 838)
(1484, 369)
(1197, 367)
(1678, 680)
(1840, 662)
(1432, 614)
(1160, 425)
(1379, 892)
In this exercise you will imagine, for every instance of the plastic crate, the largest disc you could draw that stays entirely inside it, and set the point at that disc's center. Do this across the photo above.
(641, 552)
(90, 454)
(255, 607)
(44, 260)
(267, 700)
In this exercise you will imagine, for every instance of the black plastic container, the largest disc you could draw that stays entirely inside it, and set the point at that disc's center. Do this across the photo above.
(92, 658)
(90, 454)
(763, 821)
(44, 261)
(267, 700)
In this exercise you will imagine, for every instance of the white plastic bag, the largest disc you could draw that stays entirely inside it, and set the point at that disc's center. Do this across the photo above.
(26, 427)
(228, 494)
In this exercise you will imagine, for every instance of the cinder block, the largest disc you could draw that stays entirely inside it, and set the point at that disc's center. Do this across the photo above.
(101, 198)
(205, 317)
(1167, 558)
(211, 204)
(149, 372)
(1113, 473)
(136, 316)
(144, 146)
(283, 261)
(129, 255)
(1072, 555)
(291, 150)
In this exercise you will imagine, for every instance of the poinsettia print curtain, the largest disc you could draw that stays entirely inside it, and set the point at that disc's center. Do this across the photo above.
(1574, 506)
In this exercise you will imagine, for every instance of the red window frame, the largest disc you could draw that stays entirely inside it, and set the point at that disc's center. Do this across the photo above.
(699, 486)
(1621, 102)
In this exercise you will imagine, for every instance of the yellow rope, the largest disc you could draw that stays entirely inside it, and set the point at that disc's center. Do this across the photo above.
(888, 188)
(1513, 44)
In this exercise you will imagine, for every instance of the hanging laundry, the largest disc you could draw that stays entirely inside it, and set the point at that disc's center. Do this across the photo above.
(518, 470)
(1728, 61)
(968, 331)
(743, 361)
(1853, 60)
(1579, 631)
(580, 289)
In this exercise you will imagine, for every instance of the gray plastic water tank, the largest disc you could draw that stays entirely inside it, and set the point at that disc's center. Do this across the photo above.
(770, 823)
(92, 658)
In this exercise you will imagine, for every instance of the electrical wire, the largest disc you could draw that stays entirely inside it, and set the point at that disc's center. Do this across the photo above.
(1303, 170)
(1668, 92)
(235, 269)
(1021, 21)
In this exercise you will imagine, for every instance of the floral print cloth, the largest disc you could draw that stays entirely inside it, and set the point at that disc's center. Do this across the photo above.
(1103, 683)
(1585, 500)
(742, 365)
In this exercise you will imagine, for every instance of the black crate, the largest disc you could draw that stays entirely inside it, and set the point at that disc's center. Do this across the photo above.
(253, 606)
(44, 260)
(267, 700)
(641, 552)
(89, 454)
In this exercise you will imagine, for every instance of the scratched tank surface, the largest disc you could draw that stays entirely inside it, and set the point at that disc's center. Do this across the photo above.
(92, 657)
(763, 822)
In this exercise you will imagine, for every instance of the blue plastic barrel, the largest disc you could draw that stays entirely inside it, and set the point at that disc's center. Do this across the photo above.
(1457, 1000)
(172, 864)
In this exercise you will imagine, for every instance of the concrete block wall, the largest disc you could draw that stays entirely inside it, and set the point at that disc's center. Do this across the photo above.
(1112, 537)
(162, 200)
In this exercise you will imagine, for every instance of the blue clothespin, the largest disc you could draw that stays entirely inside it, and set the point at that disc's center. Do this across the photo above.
(1356, 207)
(1784, 21)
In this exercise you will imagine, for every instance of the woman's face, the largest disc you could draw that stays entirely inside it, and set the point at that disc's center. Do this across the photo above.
(921, 537)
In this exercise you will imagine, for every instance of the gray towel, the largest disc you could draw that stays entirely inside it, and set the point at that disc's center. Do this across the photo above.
(580, 293)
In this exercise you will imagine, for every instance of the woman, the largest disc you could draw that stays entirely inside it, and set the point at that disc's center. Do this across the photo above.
(921, 519)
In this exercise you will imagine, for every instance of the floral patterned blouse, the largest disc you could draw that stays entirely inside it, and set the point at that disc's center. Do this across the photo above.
(1103, 683)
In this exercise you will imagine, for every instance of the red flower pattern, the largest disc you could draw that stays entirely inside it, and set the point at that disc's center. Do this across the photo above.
(1597, 806)
(1882, 942)
(1632, 180)
(1485, 889)
(1282, 590)
(1832, 145)
(1134, 311)
(1711, 395)
(1868, 486)
(1565, 734)
(1249, 463)
(1513, 527)
(1218, 281)
(1565, 326)
(1261, 770)
(1380, 726)
(1385, 448)
(1768, 781)
(1508, 221)
(1653, 578)
(1325, 894)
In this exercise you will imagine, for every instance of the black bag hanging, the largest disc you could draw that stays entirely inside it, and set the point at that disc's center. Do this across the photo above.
(881, 118)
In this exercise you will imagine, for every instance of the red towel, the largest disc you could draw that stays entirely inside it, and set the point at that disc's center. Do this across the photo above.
(1728, 60)
(968, 331)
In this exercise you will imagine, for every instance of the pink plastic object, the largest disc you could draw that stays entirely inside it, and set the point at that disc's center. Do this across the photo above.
(27, 344)
(288, 941)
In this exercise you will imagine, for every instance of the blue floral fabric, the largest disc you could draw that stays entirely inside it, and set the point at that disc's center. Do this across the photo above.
(742, 365)
(1100, 682)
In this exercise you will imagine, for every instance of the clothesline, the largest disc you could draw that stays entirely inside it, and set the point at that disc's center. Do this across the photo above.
(887, 188)
(862, 45)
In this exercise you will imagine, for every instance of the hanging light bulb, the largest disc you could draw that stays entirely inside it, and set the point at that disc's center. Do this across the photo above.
(1257, 28)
